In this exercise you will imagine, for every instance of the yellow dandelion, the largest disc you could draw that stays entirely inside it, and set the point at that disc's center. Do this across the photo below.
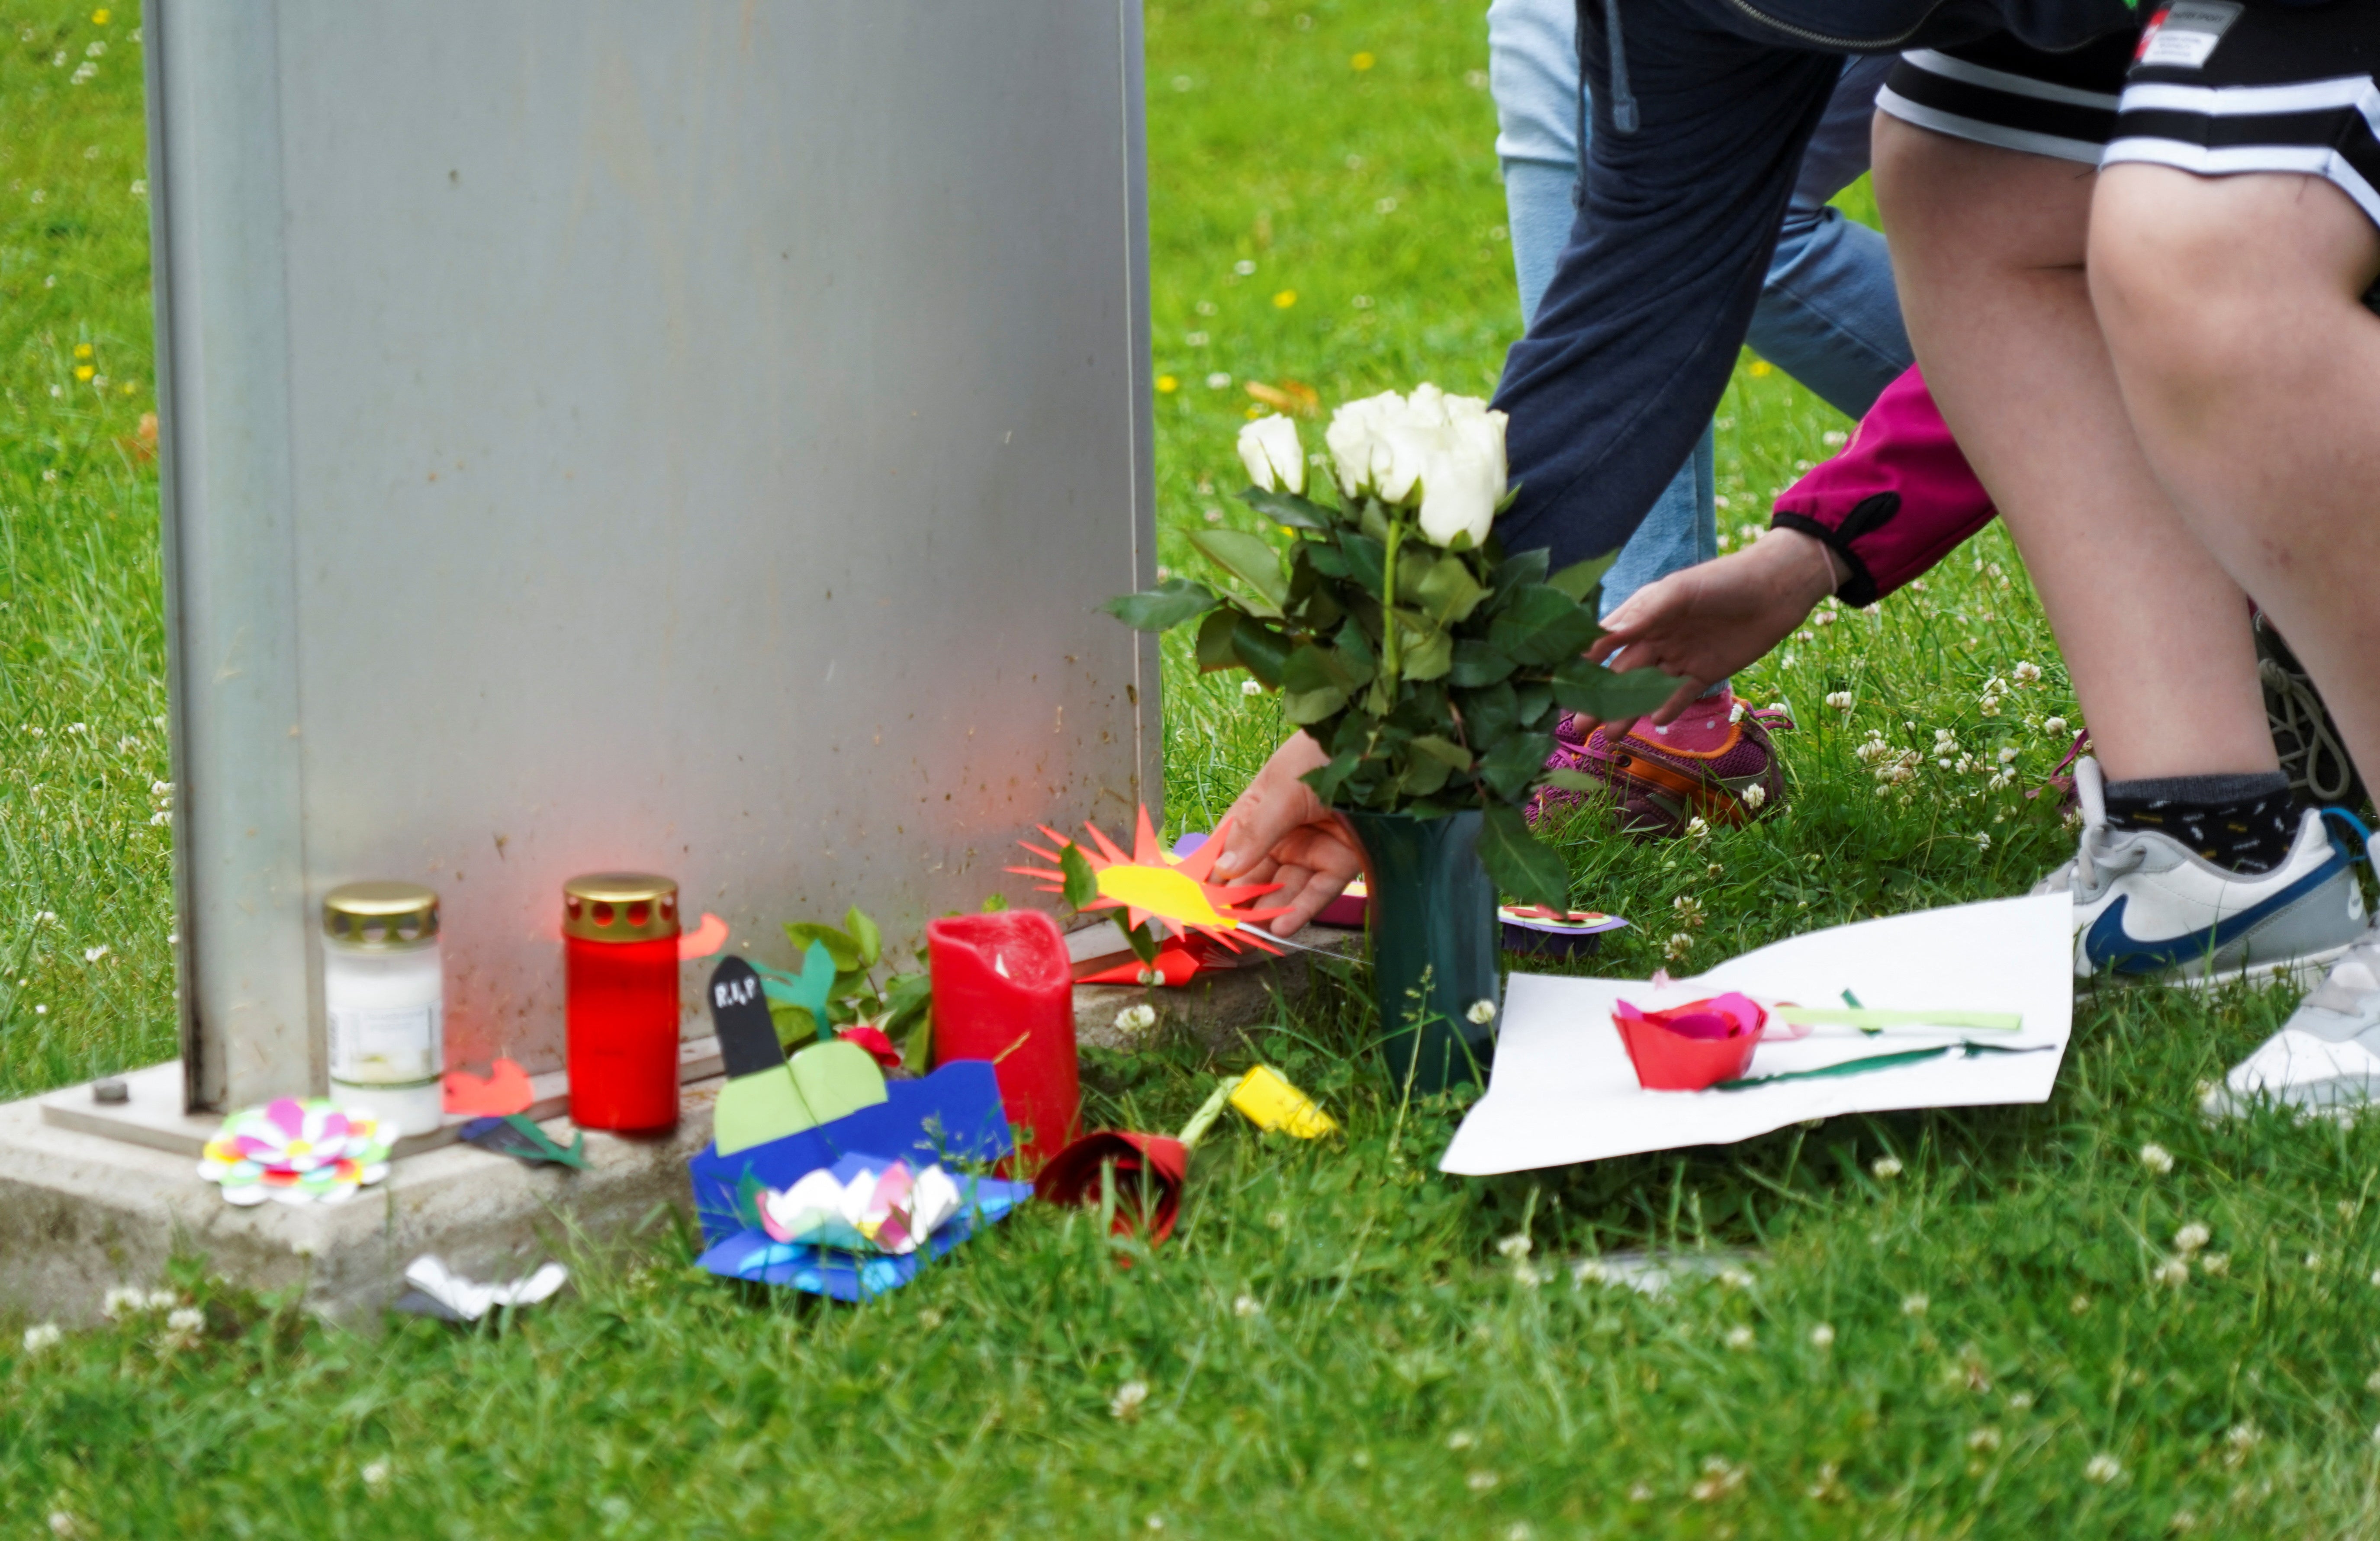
(98, 17)
(82, 350)
(84, 371)
(1167, 384)
(1760, 367)
(1284, 299)
(1363, 61)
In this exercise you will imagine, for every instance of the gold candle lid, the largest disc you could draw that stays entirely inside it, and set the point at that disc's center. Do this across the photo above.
(381, 915)
(619, 906)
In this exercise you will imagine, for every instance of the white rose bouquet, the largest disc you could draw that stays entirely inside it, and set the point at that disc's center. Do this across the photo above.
(1427, 662)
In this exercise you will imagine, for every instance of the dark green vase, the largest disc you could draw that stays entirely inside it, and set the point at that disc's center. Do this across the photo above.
(1433, 919)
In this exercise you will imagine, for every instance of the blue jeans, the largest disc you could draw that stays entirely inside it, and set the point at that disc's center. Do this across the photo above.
(1827, 314)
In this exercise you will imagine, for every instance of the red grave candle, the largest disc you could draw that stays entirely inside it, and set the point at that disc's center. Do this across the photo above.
(1004, 991)
(619, 937)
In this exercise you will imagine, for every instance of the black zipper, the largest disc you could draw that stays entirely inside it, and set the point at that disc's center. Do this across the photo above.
(1821, 40)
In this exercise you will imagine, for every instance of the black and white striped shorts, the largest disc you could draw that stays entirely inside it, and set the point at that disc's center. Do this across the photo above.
(2208, 86)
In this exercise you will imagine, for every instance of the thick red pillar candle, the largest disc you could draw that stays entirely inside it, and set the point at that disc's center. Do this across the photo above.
(1004, 991)
(620, 935)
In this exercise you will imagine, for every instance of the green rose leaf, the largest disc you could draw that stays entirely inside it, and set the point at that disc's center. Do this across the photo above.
(840, 949)
(1453, 754)
(1423, 776)
(1327, 780)
(1430, 656)
(1081, 883)
(862, 931)
(1164, 607)
(1530, 701)
(1261, 649)
(1477, 663)
(1286, 508)
(1367, 561)
(1542, 625)
(1447, 592)
(1249, 558)
(1141, 938)
(1581, 579)
(1306, 707)
(906, 996)
(1520, 867)
(1327, 558)
(1517, 572)
(1215, 651)
(1577, 780)
(1514, 766)
(1489, 714)
(1606, 695)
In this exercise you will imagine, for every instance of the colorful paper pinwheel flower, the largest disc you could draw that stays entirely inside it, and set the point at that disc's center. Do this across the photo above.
(299, 1152)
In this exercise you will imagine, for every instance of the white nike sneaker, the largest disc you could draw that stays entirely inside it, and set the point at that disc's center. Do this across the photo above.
(2147, 905)
(2327, 1055)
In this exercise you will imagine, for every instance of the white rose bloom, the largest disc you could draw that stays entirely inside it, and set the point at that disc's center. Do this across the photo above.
(1359, 451)
(1276, 461)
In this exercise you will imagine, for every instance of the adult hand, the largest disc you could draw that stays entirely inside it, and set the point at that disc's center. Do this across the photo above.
(1705, 621)
(1282, 834)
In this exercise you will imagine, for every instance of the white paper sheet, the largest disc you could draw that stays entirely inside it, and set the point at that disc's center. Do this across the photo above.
(1562, 1089)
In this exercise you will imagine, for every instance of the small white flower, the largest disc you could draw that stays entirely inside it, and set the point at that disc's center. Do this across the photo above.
(187, 1318)
(1983, 842)
(92, 954)
(1461, 1440)
(1514, 1246)
(1985, 1438)
(2173, 1271)
(1822, 1336)
(1245, 267)
(2215, 1265)
(1697, 828)
(2008, 754)
(1734, 1279)
(64, 1524)
(376, 1474)
(161, 1300)
(121, 1301)
(1886, 1167)
(2191, 1238)
(1480, 1482)
(1754, 794)
(2026, 674)
(48, 1335)
(1251, 687)
(1219, 381)
(1680, 944)
(2156, 1158)
(2053, 727)
(2313, 1259)
(1739, 1338)
(1136, 1018)
(1247, 1305)
(1384, 206)
(1840, 699)
(2104, 1468)
(1915, 1305)
(1125, 1403)
(1482, 1011)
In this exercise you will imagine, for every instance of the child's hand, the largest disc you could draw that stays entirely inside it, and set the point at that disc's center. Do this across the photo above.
(1282, 834)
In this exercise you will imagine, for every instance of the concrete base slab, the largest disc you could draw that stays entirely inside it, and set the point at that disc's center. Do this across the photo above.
(82, 1212)
(1214, 1006)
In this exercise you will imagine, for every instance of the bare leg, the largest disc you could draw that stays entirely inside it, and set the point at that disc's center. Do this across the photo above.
(1989, 247)
(2251, 373)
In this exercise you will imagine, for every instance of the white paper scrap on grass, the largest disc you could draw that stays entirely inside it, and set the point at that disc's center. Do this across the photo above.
(1562, 1089)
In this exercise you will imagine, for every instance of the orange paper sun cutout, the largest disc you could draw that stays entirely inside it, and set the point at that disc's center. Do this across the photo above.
(1150, 884)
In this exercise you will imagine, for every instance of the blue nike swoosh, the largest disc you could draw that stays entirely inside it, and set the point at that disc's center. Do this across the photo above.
(2107, 946)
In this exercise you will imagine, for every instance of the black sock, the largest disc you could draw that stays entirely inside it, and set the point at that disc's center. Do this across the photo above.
(2243, 823)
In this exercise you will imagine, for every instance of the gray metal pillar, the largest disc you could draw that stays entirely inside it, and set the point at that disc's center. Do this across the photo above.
(669, 434)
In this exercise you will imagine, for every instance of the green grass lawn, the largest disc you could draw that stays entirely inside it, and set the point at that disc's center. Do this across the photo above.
(1948, 1324)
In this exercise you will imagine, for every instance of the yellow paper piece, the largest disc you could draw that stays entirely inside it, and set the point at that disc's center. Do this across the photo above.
(1271, 1102)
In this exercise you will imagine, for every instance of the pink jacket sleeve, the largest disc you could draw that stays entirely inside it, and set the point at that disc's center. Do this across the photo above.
(1899, 498)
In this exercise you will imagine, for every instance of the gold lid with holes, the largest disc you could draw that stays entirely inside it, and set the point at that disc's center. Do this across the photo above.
(387, 916)
(619, 906)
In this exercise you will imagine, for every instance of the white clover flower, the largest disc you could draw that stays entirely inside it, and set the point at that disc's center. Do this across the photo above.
(1983, 842)
(1514, 1246)
(1480, 1482)
(1840, 699)
(1482, 1011)
(2191, 1238)
(1984, 1439)
(1137, 1018)
(2007, 755)
(1886, 1167)
(1680, 944)
(1754, 796)
(1269, 448)
(1739, 1338)
(2026, 674)
(1915, 1305)
(2156, 1158)
(1246, 1305)
(64, 1524)
(2103, 1469)
(1697, 828)
(376, 1474)
(2173, 1271)
(1734, 1279)
(1127, 1402)
(1219, 381)
(121, 1301)
(188, 1318)
(92, 954)
(1461, 1440)
(2053, 727)
(45, 1336)
(1822, 1336)
(1251, 687)
(2215, 1265)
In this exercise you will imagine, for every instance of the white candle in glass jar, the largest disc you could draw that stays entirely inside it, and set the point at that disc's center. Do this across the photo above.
(384, 1001)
